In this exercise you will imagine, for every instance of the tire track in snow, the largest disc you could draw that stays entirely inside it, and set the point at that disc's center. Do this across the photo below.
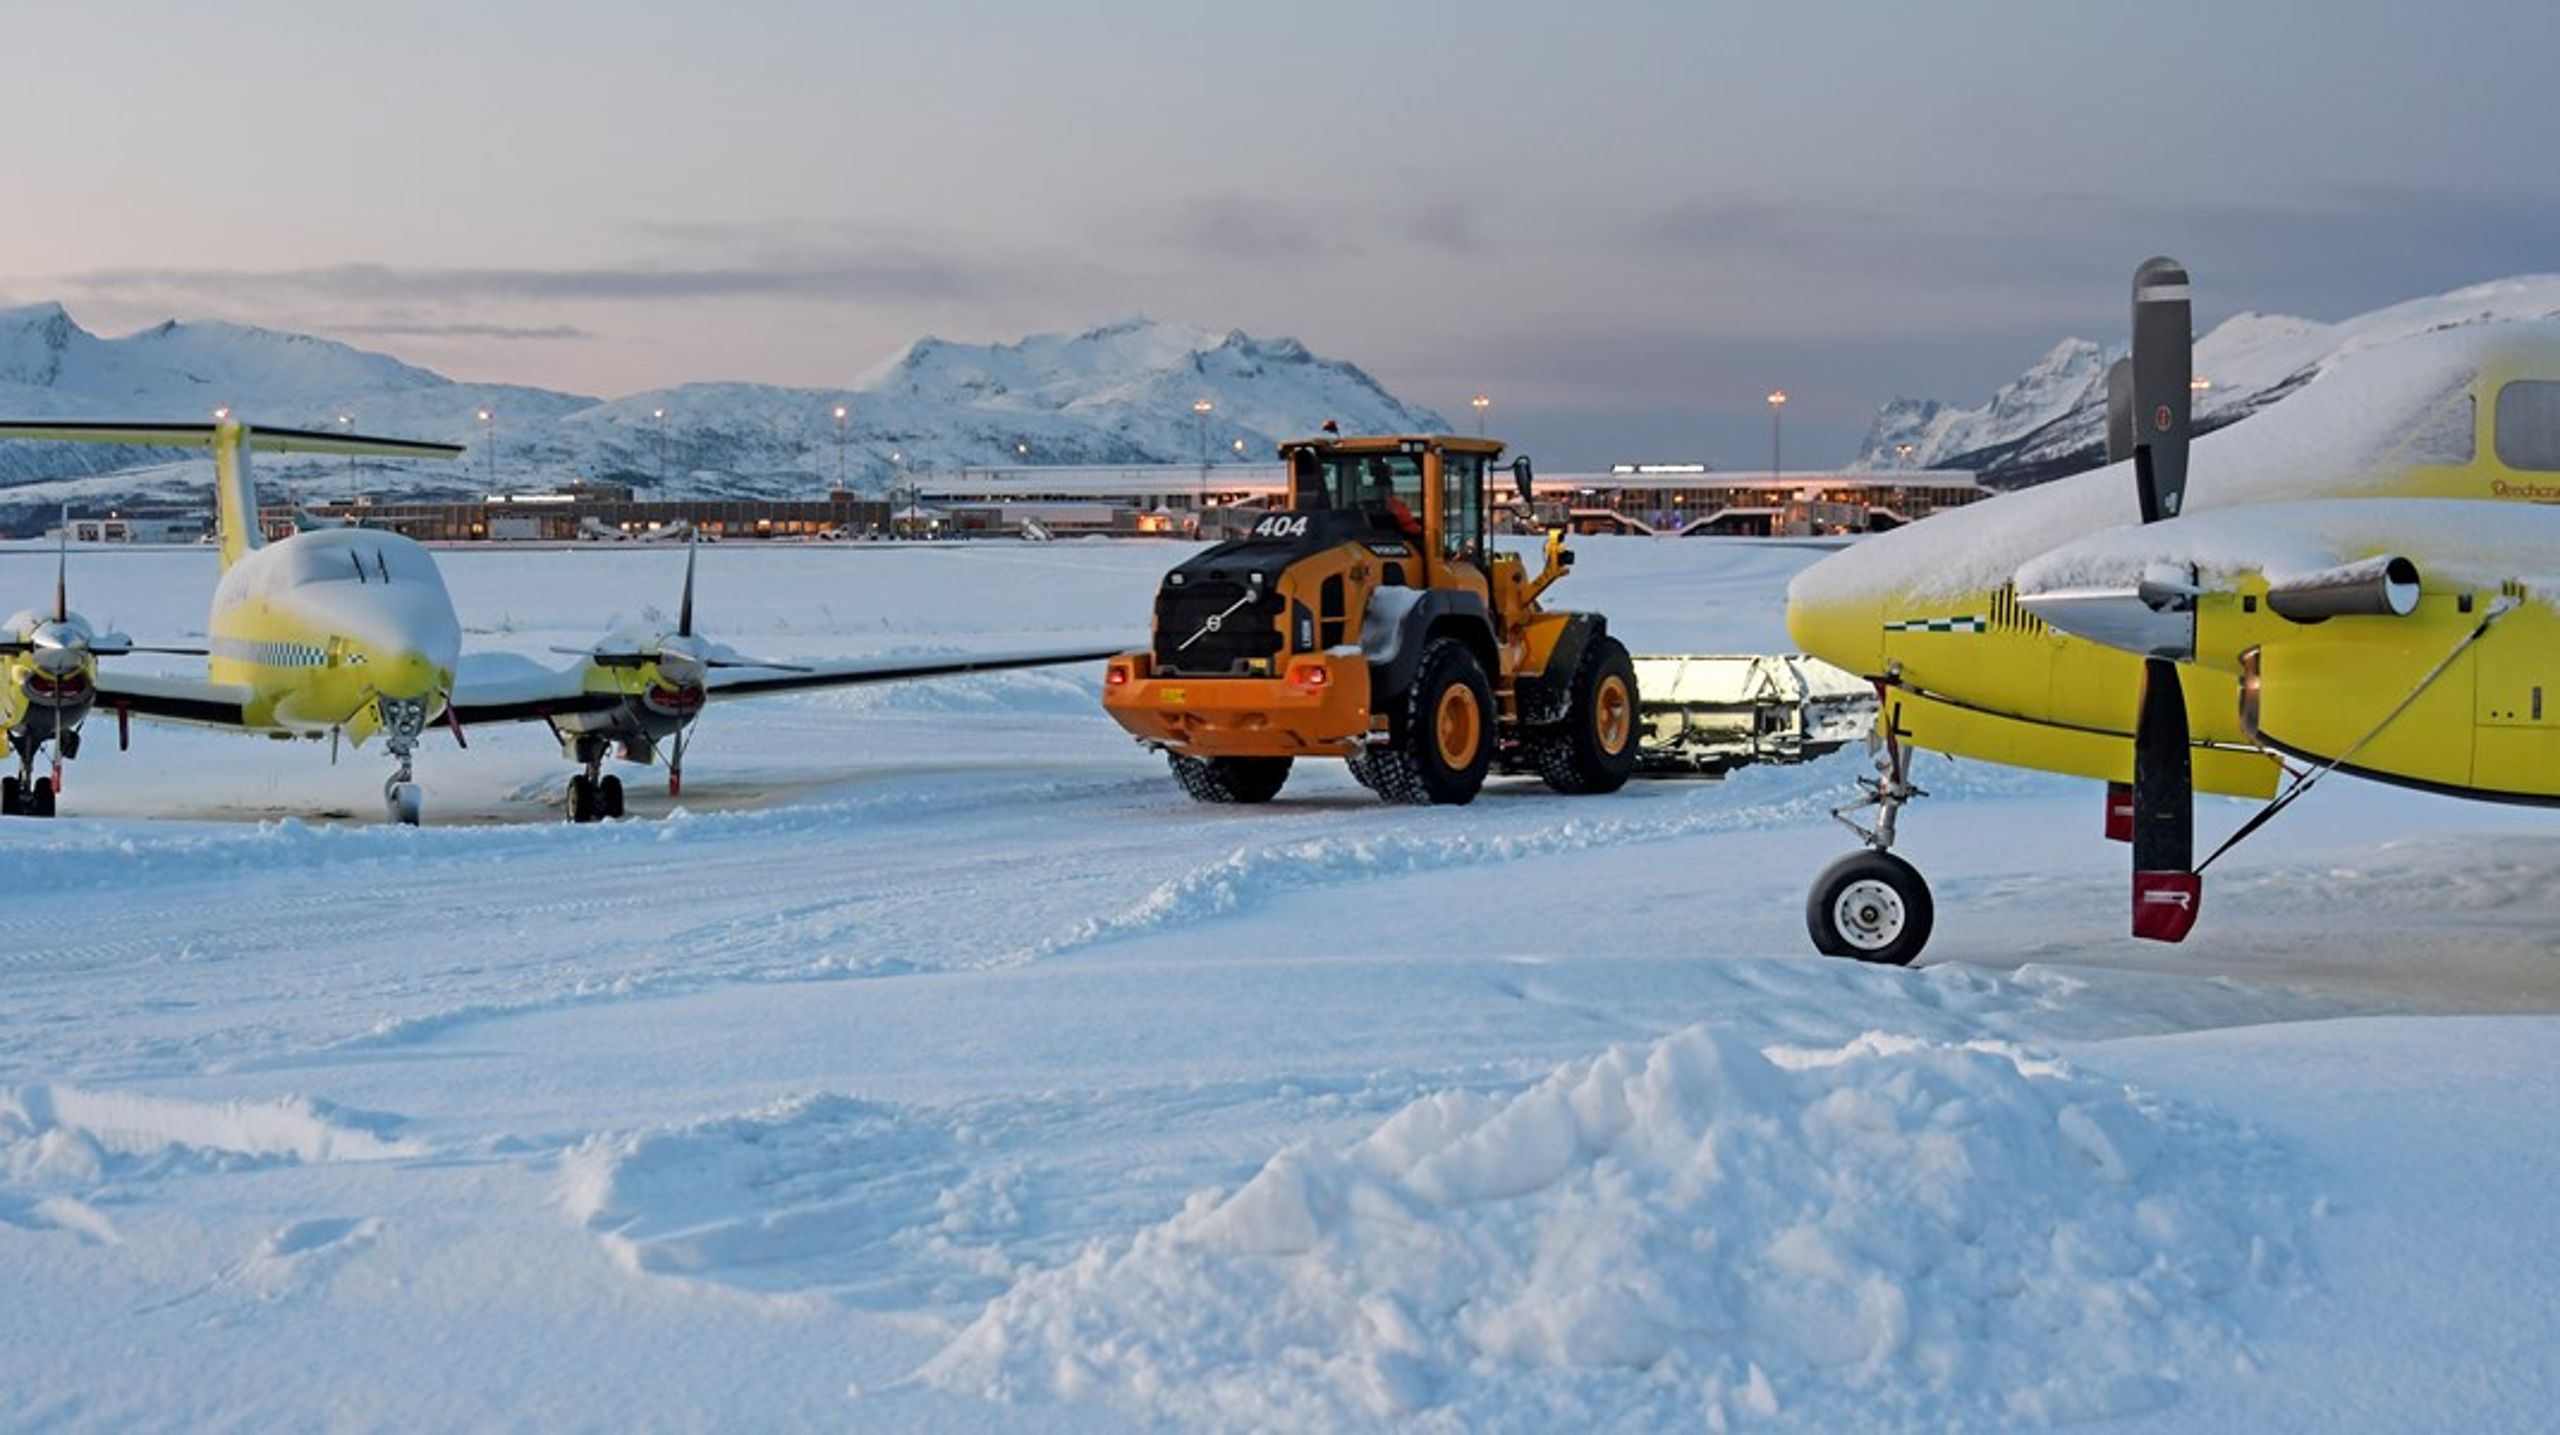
(1248, 877)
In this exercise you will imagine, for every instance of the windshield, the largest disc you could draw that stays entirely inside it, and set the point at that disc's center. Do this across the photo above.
(1355, 481)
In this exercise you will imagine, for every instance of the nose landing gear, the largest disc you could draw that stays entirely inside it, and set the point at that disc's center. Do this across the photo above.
(403, 719)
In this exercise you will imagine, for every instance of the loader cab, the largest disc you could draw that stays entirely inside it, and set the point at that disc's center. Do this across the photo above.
(1425, 492)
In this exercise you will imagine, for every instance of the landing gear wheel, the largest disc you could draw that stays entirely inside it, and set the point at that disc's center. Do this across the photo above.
(40, 798)
(405, 803)
(1231, 779)
(13, 801)
(1872, 906)
(1442, 739)
(1594, 749)
(582, 799)
(609, 797)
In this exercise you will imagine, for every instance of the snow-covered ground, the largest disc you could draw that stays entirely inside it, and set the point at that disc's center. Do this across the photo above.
(940, 1066)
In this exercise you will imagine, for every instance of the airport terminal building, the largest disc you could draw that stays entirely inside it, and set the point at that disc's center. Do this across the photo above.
(1178, 500)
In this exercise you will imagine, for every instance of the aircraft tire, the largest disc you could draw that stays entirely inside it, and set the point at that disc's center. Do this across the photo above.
(40, 798)
(11, 799)
(609, 796)
(582, 799)
(1231, 779)
(1870, 906)
(1594, 749)
(1443, 737)
(407, 803)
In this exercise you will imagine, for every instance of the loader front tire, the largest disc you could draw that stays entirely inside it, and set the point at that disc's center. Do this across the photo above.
(1594, 749)
(1442, 736)
(1231, 779)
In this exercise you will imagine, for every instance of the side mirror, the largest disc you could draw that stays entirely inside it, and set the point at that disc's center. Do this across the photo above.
(1520, 478)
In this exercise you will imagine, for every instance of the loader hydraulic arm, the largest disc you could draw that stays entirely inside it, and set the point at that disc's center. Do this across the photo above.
(1558, 559)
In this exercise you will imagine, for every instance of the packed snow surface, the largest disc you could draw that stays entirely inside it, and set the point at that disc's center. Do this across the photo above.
(934, 1064)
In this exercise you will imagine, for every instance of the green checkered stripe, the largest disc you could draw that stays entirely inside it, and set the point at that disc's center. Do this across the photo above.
(1937, 625)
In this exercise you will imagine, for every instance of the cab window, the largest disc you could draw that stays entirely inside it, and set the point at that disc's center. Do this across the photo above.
(1462, 506)
(2528, 426)
(1385, 486)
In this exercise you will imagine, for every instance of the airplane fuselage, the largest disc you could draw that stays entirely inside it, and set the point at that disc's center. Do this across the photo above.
(2421, 458)
(322, 628)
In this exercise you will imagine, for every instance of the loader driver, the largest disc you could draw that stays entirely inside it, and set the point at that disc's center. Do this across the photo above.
(1384, 505)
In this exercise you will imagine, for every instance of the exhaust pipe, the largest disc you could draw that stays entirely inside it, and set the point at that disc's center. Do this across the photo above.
(2384, 587)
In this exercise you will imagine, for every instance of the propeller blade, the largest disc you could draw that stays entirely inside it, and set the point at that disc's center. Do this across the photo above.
(2166, 888)
(2120, 411)
(743, 662)
(62, 570)
(2163, 379)
(684, 608)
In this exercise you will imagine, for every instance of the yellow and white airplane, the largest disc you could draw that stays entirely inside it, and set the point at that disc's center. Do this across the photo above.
(350, 633)
(48, 685)
(2361, 578)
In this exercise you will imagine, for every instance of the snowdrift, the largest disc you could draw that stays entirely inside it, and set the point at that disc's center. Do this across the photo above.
(1889, 1234)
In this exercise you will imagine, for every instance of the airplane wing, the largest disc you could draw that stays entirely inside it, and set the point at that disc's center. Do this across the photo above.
(744, 680)
(506, 688)
(178, 700)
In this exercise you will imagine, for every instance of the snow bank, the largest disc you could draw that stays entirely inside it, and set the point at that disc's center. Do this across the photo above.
(1887, 1234)
(68, 1135)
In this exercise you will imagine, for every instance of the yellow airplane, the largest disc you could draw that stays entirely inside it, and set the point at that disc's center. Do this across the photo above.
(2360, 578)
(48, 685)
(350, 633)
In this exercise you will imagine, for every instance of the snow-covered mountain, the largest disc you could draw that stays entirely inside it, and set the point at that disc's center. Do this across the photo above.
(1121, 393)
(2051, 420)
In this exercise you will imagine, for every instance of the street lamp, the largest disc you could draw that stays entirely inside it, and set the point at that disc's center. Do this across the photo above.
(1480, 403)
(347, 426)
(1777, 409)
(489, 456)
(1239, 447)
(1200, 425)
(1902, 453)
(661, 416)
(840, 417)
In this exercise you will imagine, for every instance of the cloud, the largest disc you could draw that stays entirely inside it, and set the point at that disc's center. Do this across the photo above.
(463, 331)
(1233, 229)
(894, 277)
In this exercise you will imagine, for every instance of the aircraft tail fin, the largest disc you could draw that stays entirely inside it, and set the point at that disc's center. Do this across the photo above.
(235, 492)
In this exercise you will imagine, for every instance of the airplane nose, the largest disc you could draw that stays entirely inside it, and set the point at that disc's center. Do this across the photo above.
(1838, 622)
(406, 674)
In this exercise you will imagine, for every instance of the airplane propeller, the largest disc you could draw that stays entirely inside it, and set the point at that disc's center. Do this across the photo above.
(2150, 397)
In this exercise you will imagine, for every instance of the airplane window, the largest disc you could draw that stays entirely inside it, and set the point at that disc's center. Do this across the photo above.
(2529, 425)
(2447, 434)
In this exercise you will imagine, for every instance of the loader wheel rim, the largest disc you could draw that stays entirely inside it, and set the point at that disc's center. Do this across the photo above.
(1458, 725)
(1612, 715)
(1869, 915)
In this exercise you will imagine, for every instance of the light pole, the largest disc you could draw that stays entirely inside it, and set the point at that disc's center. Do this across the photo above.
(661, 416)
(1480, 403)
(1902, 453)
(489, 456)
(840, 417)
(1200, 426)
(1239, 447)
(347, 426)
(1777, 410)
